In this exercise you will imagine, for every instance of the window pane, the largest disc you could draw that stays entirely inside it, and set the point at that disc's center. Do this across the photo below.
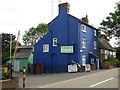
(83, 60)
(95, 33)
(46, 48)
(92, 60)
(95, 45)
(83, 43)
(83, 28)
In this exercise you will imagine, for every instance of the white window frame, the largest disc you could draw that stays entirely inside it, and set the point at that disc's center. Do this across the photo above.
(102, 51)
(106, 56)
(92, 61)
(84, 43)
(54, 41)
(45, 47)
(84, 28)
(95, 32)
(95, 45)
(111, 53)
(83, 60)
(114, 54)
(106, 52)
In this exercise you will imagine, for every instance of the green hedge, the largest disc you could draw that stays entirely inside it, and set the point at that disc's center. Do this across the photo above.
(111, 61)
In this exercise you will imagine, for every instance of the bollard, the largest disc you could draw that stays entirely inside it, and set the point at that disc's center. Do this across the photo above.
(24, 76)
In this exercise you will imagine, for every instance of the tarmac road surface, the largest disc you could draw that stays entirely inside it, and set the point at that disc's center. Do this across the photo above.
(104, 79)
(94, 79)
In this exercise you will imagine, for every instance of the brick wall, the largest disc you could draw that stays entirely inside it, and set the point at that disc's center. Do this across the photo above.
(93, 67)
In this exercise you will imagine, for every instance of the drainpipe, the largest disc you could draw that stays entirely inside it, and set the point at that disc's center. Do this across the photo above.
(97, 63)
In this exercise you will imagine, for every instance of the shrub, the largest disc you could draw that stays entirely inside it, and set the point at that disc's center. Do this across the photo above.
(111, 61)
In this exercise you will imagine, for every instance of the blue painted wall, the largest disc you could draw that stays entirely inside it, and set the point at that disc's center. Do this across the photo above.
(67, 29)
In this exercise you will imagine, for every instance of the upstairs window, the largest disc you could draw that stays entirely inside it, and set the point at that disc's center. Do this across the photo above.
(45, 47)
(95, 33)
(114, 54)
(83, 43)
(54, 41)
(102, 51)
(83, 28)
(95, 45)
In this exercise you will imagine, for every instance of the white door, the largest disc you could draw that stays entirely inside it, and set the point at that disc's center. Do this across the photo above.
(17, 66)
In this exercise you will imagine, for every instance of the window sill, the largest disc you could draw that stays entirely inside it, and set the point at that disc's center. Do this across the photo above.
(83, 31)
(84, 48)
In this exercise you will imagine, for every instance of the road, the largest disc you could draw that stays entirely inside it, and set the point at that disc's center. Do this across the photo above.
(94, 79)
(104, 79)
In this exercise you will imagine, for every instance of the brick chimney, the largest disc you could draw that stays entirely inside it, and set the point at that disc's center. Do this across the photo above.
(85, 19)
(64, 8)
(99, 34)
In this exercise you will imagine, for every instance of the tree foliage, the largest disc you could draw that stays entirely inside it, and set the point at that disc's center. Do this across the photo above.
(111, 25)
(34, 34)
(6, 39)
(111, 61)
(6, 52)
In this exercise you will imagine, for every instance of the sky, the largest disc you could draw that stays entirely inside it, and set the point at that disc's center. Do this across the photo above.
(21, 15)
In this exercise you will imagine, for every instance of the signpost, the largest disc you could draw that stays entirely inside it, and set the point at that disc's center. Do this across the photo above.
(87, 67)
(24, 76)
(72, 68)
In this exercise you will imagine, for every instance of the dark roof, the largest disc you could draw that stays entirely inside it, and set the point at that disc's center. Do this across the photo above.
(104, 44)
(82, 21)
(24, 51)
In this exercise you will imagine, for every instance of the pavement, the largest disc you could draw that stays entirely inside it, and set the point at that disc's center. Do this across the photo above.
(94, 79)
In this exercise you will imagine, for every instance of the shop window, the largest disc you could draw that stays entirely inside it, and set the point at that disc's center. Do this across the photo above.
(83, 60)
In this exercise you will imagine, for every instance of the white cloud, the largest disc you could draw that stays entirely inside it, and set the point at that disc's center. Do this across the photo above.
(20, 15)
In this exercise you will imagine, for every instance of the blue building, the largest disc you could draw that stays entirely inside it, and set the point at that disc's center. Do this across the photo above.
(69, 39)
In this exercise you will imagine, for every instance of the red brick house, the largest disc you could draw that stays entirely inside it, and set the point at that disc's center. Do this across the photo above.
(105, 49)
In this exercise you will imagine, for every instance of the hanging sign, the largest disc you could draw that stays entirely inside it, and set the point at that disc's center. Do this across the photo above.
(66, 49)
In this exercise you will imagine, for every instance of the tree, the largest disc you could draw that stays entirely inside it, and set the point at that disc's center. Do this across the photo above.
(111, 60)
(34, 34)
(6, 39)
(6, 52)
(111, 25)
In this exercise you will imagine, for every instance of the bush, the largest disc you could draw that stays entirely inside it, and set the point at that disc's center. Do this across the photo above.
(111, 61)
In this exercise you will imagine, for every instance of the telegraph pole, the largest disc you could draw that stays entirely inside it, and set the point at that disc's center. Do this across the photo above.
(52, 9)
(10, 45)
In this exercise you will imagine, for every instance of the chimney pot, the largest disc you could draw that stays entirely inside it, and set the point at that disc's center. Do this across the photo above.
(99, 34)
(64, 5)
(85, 19)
